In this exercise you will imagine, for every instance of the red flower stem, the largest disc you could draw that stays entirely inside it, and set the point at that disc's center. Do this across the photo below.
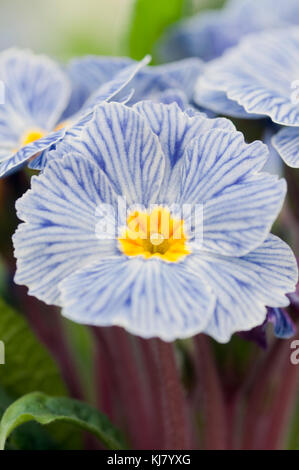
(282, 408)
(128, 384)
(177, 426)
(271, 398)
(211, 397)
(46, 323)
(152, 388)
(105, 381)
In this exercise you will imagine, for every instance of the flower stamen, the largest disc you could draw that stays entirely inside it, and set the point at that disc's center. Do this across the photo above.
(155, 234)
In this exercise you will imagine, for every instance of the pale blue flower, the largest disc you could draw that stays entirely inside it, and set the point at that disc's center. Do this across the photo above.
(37, 93)
(164, 83)
(169, 83)
(154, 153)
(209, 33)
(260, 76)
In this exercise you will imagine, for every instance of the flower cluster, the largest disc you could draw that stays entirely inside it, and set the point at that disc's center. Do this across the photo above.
(148, 214)
(208, 34)
(260, 78)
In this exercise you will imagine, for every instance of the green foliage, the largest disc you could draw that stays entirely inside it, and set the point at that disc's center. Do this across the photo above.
(28, 365)
(150, 18)
(293, 437)
(81, 343)
(45, 410)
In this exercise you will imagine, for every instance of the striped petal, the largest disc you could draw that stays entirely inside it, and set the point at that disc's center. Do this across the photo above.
(173, 95)
(286, 142)
(150, 82)
(148, 298)
(209, 33)
(112, 89)
(218, 102)
(121, 142)
(89, 73)
(219, 171)
(26, 105)
(36, 93)
(259, 74)
(245, 286)
(29, 151)
(175, 131)
(61, 215)
(70, 143)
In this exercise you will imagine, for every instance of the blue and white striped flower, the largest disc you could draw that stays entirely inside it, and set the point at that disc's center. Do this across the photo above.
(170, 287)
(164, 83)
(209, 33)
(169, 83)
(37, 93)
(260, 76)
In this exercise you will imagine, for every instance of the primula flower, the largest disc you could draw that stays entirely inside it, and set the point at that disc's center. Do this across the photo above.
(261, 75)
(169, 83)
(165, 83)
(165, 280)
(209, 33)
(36, 94)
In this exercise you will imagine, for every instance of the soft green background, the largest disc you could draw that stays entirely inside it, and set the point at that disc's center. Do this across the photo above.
(66, 28)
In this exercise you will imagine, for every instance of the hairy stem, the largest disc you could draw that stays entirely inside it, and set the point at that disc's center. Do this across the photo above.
(127, 384)
(177, 428)
(211, 397)
(271, 399)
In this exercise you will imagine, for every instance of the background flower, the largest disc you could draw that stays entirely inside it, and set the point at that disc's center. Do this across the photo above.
(258, 76)
(37, 92)
(208, 34)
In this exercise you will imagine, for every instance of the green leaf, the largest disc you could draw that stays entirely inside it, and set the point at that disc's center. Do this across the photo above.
(30, 436)
(150, 18)
(45, 410)
(293, 437)
(28, 365)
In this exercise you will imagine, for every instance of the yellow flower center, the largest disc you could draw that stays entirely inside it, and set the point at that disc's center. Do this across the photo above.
(157, 234)
(36, 133)
(32, 135)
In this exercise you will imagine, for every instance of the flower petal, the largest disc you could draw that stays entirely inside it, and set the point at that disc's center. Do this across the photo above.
(26, 105)
(209, 33)
(120, 141)
(61, 217)
(274, 163)
(219, 172)
(150, 82)
(286, 142)
(244, 286)
(283, 325)
(148, 298)
(89, 73)
(112, 89)
(30, 151)
(217, 101)
(175, 131)
(258, 74)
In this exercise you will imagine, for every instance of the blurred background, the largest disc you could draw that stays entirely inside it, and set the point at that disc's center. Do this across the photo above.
(75, 27)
